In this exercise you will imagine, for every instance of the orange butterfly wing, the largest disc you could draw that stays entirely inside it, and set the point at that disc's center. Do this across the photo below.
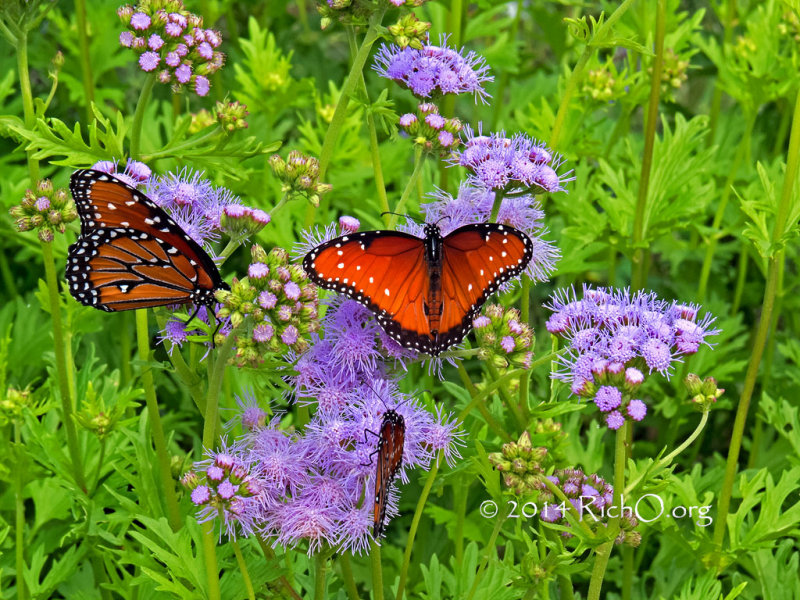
(383, 270)
(131, 254)
(390, 459)
(476, 260)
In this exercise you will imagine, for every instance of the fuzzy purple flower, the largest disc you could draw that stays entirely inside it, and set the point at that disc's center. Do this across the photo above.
(613, 336)
(434, 69)
(496, 162)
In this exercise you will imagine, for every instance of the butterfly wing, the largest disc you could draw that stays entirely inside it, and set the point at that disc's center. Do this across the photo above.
(131, 254)
(476, 260)
(390, 459)
(386, 272)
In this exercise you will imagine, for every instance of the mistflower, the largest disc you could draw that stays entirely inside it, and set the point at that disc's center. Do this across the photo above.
(298, 175)
(163, 30)
(196, 205)
(275, 308)
(134, 174)
(409, 31)
(44, 209)
(521, 464)
(502, 338)
(496, 162)
(614, 337)
(430, 131)
(434, 70)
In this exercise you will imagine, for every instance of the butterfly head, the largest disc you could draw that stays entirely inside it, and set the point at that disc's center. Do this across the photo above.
(432, 230)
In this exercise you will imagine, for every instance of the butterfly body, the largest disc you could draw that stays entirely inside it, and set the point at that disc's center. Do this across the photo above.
(424, 291)
(391, 439)
(130, 253)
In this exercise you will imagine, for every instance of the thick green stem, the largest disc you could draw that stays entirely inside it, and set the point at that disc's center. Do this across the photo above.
(210, 560)
(86, 65)
(525, 379)
(498, 202)
(711, 248)
(153, 414)
(604, 551)
(639, 266)
(62, 367)
(347, 576)
(248, 583)
(671, 456)
(214, 387)
(138, 116)
(506, 396)
(765, 320)
(423, 498)
(321, 574)
(460, 494)
(377, 571)
(577, 73)
(419, 160)
(340, 112)
(27, 98)
(19, 519)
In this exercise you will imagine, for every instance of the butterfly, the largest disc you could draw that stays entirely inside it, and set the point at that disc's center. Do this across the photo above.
(391, 438)
(424, 291)
(130, 253)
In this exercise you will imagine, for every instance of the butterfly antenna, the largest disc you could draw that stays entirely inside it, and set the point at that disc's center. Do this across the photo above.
(194, 314)
(406, 215)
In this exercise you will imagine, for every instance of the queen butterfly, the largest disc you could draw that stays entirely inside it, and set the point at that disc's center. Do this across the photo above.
(391, 438)
(130, 253)
(424, 291)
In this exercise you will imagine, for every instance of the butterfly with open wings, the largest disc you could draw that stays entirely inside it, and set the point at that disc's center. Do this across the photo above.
(426, 291)
(131, 254)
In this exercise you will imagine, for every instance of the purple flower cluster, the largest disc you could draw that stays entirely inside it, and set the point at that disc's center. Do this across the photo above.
(44, 209)
(430, 130)
(312, 485)
(134, 174)
(499, 163)
(434, 70)
(503, 338)
(169, 38)
(474, 205)
(274, 308)
(584, 492)
(613, 336)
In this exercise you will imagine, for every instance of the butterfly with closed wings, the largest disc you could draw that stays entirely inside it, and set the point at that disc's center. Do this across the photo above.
(424, 292)
(391, 439)
(131, 254)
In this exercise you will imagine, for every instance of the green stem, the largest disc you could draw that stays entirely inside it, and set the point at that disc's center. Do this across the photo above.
(671, 456)
(374, 148)
(460, 494)
(138, 116)
(210, 560)
(639, 266)
(577, 73)
(270, 556)
(229, 249)
(99, 470)
(340, 112)
(377, 571)
(27, 98)
(604, 551)
(62, 367)
(19, 518)
(284, 199)
(320, 578)
(214, 387)
(423, 498)
(487, 416)
(711, 248)
(160, 441)
(765, 320)
(125, 348)
(248, 584)
(505, 396)
(498, 201)
(571, 508)
(627, 572)
(86, 65)
(347, 576)
(524, 380)
(419, 160)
